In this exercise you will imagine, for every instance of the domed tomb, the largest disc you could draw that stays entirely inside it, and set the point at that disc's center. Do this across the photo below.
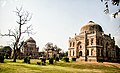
(91, 26)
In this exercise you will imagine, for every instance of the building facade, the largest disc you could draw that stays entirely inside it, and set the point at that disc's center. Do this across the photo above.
(92, 44)
(30, 49)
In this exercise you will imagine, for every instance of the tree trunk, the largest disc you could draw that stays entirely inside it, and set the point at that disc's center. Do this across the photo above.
(14, 56)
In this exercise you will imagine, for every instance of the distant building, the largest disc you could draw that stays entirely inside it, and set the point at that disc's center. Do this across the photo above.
(92, 44)
(30, 49)
(51, 53)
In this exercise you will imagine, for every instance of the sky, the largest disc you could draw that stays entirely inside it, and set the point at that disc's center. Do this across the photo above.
(57, 20)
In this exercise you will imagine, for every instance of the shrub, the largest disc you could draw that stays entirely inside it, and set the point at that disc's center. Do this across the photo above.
(27, 60)
(51, 61)
(73, 59)
(1, 58)
(40, 58)
(56, 59)
(48, 58)
(43, 60)
(38, 63)
(66, 59)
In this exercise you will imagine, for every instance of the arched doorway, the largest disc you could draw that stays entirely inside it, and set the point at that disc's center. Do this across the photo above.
(80, 53)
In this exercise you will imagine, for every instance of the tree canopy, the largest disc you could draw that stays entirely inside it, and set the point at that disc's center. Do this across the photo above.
(7, 50)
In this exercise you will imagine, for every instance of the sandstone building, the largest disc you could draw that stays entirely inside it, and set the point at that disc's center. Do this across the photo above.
(92, 44)
(30, 49)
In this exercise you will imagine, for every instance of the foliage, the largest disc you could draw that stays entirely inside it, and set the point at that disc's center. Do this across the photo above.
(57, 59)
(63, 54)
(54, 49)
(41, 54)
(1, 58)
(66, 59)
(51, 61)
(27, 60)
(43, 60)
(73, 59)
(38, 63)
(7, 51)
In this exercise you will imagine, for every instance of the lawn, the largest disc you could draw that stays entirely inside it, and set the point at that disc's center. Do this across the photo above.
(59, 67)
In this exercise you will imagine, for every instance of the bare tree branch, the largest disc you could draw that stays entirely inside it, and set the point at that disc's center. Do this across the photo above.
(28, 29)
(116, 14)
(114, 3)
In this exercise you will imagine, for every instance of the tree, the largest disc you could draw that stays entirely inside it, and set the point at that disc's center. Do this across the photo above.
(114, 3)
(23, 18)
(41, 54)
(48, 46)
(53, 49)
(7, 50)
(57, 49)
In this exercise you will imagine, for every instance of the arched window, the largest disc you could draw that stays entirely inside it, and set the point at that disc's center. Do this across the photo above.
(87, 42)
(73, 44)
(80, 53)
(70, 44)
(87, 52)
(70, 53)
(92, 41)
(80, 46)
(92, 52)
(77, 47)
(73, 52)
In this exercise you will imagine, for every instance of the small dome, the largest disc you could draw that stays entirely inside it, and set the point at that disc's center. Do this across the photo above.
(30, 40)
(91, 26)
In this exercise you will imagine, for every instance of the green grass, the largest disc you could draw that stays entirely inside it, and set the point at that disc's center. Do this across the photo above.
(59, 67)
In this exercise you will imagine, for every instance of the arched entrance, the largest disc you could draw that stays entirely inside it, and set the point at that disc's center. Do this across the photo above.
(80, 53)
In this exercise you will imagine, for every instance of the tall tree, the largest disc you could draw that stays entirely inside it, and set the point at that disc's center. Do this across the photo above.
(23, 18)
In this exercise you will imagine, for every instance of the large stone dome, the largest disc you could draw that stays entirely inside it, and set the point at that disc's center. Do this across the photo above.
(91, 26)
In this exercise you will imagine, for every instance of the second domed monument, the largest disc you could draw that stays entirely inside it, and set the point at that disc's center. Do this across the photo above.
(30, 49)
(92, 44)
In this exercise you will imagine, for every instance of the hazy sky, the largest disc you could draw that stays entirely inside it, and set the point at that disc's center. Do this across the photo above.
(57, 20)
